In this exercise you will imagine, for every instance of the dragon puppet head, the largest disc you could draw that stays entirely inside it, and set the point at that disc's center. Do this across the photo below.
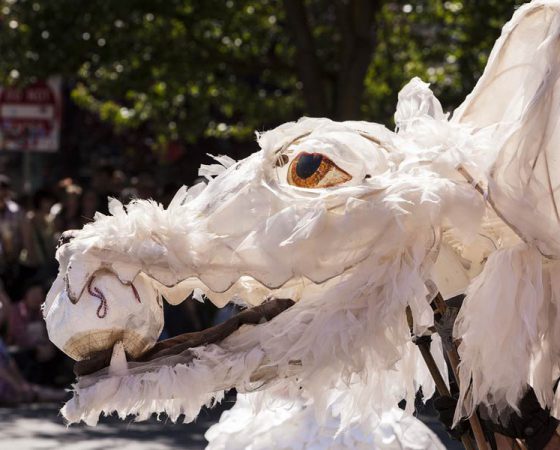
(326, 236)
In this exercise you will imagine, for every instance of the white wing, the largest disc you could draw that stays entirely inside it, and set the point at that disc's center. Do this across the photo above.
(518, 100)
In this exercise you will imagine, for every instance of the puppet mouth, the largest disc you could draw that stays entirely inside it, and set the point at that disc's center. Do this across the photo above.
(182, 343)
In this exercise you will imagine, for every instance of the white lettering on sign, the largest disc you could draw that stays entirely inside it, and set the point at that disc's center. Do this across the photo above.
(38, 95)
(30, 117)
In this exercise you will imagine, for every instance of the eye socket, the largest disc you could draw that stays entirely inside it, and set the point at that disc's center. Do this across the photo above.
(315, 170)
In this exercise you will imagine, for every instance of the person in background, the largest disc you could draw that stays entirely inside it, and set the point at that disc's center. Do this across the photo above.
(67, 214)
(11, 237)
(37, 357)
(119, 181)
(168, 193)
(128, 194)
(39, 238)
(146, 186)
(14, 388)
(90, 205)
(102, 183)
(26, 328)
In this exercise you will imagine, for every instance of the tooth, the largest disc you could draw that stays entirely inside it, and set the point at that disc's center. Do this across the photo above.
(118, 365)
(218, 300)
(245, 290)
(176, 294)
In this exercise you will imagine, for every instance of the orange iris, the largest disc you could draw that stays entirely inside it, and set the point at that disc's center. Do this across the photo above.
(315, 170)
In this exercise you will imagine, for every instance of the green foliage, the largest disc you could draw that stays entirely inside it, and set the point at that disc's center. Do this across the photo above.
(184, 69)
(446, 43)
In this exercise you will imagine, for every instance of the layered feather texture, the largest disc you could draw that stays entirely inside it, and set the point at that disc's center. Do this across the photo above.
(514, 300)
(290, 424)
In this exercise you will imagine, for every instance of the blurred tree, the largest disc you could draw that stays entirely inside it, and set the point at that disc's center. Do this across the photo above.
(224, 68)
(446, 43)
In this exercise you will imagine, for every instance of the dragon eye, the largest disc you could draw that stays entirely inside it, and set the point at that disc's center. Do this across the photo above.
(314, 170)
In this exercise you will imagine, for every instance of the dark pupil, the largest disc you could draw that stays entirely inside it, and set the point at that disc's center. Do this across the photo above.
(308, 164)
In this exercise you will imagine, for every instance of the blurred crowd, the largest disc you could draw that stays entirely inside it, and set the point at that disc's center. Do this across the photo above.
(31, 368)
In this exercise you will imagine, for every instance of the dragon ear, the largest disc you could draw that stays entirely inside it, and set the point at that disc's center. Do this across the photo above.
(517, 100)
(416, 100)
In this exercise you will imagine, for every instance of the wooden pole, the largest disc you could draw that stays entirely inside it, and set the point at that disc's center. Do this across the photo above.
(453, 356)
(436, 375)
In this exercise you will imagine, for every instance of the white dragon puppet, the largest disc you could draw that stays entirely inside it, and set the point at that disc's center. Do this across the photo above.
(329, 233)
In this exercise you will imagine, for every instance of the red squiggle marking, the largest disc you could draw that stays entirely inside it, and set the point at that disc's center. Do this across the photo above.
(103, 306)
(95, 292)
(136, 294)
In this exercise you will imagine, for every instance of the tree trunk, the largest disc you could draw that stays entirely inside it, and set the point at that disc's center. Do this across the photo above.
(357, 21)
(308, 65)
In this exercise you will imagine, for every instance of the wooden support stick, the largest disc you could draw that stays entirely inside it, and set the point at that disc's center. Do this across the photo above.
(453, 356)
(436, 375)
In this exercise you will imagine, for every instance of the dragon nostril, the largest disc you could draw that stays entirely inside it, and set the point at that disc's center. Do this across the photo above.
(65, 238)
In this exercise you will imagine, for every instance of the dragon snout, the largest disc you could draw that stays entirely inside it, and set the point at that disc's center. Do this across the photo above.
(108, 311)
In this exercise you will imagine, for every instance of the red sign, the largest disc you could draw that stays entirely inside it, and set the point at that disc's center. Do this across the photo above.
(30, 117)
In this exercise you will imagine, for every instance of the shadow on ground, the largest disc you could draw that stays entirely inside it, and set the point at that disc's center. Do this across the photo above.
(40, 427)
(33, 427)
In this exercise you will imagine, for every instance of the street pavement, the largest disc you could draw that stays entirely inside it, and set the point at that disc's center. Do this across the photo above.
(40, 427)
